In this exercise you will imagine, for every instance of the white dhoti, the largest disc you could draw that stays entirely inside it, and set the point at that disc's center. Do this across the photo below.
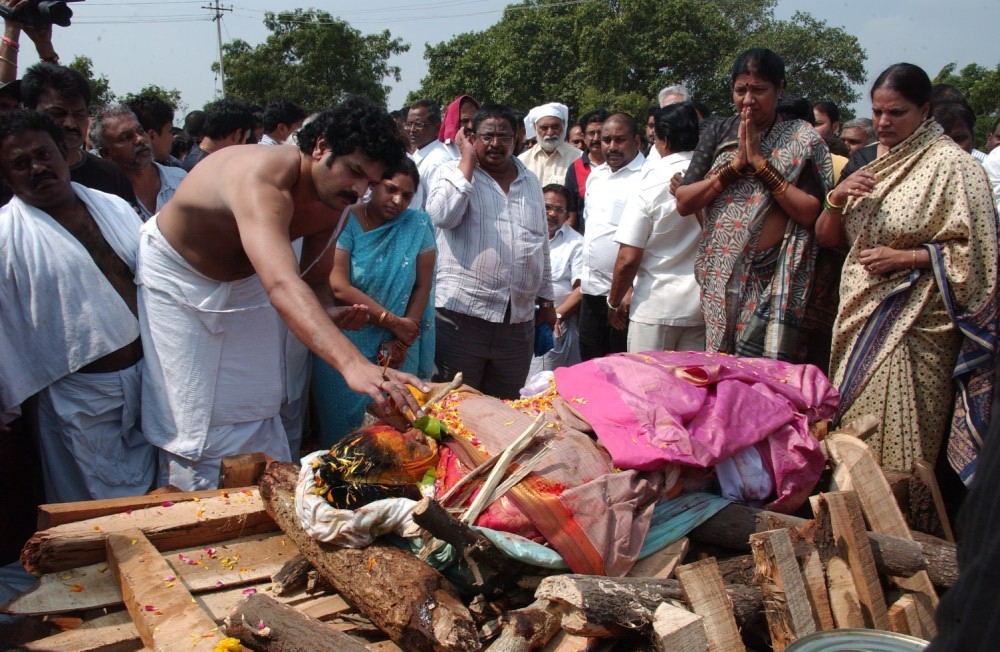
(90, 439)
(213, 381)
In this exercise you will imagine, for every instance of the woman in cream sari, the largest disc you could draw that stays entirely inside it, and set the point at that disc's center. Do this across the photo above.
(918, 288)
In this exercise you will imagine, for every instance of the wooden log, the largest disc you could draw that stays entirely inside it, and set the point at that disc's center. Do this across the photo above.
(628, 602)
(231, 563)
(162, 611)
(849, 529)
(168, 525)
(896, 556)
(487, 564)
(942, 558)
(242, 470)
(407, 599)
(661, 564)
(529, 628)
(701, 584)
(786, 604)
(819, 596)
(679, 630)
(54, 514)
(291, 576)
(263, 624)
(855, 469)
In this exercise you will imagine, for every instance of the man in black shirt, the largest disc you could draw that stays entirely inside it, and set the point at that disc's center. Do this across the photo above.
(64, 95)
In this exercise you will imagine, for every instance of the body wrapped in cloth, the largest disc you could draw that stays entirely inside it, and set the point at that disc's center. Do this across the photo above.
(592, 498)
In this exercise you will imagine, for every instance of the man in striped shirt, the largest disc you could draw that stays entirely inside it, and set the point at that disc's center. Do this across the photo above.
(493, 258)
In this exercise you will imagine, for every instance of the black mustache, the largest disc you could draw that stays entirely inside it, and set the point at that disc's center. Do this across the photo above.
(39, 178)
(350, 196)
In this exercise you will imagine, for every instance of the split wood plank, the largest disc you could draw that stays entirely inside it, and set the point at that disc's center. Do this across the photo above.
(563, 641)
(923, 470)
(162, 611)
(661, 564)
(852, 541)
(242, 470)
(230, 563)
(678, 630)
(844, 601)
(528, 628)
(167, 525)
(111, 633)
(855, 469)
(903, 615)
(53, 514)
(786, 603)
(815, 583)
(703, 588)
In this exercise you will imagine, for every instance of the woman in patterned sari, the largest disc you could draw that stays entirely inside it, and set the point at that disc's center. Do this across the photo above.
(920, 275)
(385, 260)
(759, 181)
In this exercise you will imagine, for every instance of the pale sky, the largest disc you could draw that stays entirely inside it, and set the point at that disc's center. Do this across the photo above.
(172, 43)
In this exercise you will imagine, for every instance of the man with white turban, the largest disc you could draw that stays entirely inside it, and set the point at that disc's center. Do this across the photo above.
(552, 155)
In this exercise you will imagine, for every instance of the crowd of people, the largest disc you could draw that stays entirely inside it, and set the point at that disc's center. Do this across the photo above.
(169, 299)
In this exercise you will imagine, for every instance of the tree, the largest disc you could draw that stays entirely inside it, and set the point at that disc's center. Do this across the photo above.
(981, 87)
(171, 96)
(618, 54)
(312, 59)
(100, 87)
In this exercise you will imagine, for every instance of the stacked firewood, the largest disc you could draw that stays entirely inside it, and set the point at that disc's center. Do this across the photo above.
(186, 571)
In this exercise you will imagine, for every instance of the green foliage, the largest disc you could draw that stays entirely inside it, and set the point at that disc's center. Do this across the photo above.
(981, 87)
(171, 96)
(310, 58)
(618, 54)
(100, 87)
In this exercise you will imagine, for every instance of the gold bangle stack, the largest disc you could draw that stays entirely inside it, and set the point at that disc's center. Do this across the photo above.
(381, 318)
(772, 179)
(728, 174)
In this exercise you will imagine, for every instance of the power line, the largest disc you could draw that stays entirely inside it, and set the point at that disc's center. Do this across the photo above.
(218, 9)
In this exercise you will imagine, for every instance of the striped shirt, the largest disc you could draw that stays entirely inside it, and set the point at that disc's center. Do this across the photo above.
(493, 248)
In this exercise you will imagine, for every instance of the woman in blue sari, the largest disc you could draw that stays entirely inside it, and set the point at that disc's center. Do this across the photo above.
(385, 261)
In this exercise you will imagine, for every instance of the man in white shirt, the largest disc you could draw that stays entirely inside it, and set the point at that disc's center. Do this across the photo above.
(608, 188)
(551, 156)
(992, 166)
(423, 120)
(566, 256)
(493, 258)
(670, 95)
(281, 119)
(117, 136)
(658, 247)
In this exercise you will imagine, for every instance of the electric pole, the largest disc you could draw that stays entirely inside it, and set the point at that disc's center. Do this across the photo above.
(218, 9)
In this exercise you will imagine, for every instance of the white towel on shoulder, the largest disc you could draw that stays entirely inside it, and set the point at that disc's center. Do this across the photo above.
(58, 313)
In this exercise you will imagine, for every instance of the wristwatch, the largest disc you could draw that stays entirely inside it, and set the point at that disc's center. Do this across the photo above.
(558, 316)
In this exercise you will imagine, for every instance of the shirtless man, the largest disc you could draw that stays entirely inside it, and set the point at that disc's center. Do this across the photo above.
(68, 328)
(217, 269)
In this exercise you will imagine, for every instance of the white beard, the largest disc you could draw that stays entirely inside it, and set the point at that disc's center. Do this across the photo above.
(549, 145)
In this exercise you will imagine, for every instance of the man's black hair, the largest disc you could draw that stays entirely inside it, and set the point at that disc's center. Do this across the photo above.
(561, 190)
(497, 111)
(225, 116)
(152, 111)
(433, 109)
(41, 77)
(21, 120)
(281, 112)
(590, 117)
(628, 120)
(355, 124)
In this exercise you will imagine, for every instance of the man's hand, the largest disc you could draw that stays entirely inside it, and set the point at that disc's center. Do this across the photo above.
(406, 330)
(387, 388)
(348, 318)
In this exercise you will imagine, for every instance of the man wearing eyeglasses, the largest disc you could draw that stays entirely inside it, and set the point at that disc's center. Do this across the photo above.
(423, 119)
(493, 258)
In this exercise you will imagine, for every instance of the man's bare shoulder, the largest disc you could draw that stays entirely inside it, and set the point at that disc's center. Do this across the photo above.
(276, 166)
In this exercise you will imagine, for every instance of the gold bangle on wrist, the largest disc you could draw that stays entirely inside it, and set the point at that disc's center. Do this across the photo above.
(381, 318)
(829, 205)
(772, 179)
(728, 174)
(763, 164)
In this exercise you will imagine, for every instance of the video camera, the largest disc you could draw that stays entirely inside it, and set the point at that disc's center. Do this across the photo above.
(39, 13)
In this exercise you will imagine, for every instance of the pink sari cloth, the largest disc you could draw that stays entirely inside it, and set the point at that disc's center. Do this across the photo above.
(700, 408)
